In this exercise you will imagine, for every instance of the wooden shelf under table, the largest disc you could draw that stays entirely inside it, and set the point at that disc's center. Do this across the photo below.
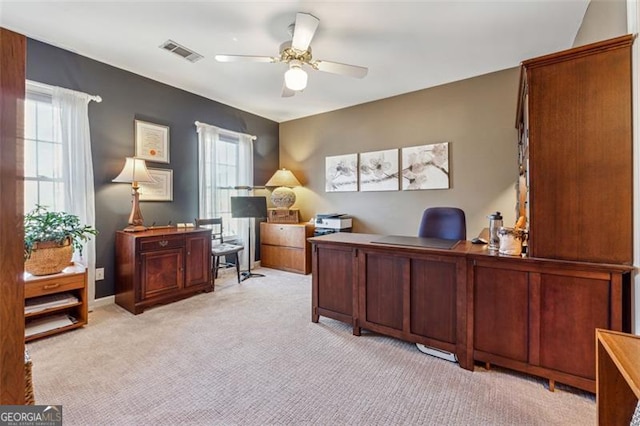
(72, 280)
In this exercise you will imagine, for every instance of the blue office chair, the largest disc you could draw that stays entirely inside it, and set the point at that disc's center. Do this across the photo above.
(448, 223)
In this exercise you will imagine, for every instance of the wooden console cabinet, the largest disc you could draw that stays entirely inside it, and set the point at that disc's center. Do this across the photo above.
(161, 265)
(284, 246)
(49, 297)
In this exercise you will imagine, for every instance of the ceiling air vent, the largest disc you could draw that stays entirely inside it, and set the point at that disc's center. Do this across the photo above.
(181, 51)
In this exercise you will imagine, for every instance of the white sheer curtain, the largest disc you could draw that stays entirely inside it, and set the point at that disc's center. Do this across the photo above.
(209, 187)
(71, 126)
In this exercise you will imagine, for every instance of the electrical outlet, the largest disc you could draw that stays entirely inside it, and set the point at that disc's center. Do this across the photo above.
(99, 274)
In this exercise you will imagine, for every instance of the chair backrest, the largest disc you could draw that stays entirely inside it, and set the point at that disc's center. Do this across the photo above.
(443, 222)
(215, 224)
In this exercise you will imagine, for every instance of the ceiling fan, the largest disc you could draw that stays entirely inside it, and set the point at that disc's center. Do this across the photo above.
(297, 54)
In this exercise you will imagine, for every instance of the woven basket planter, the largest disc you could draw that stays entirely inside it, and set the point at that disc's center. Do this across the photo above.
(29, 398)
(49, 258)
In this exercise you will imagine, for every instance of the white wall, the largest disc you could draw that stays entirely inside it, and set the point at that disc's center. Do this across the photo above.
(604, 19)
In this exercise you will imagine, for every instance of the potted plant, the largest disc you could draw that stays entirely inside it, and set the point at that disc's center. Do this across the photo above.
(50, 239)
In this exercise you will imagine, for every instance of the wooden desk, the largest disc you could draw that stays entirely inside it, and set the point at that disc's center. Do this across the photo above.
(411, 293)
(537, 316)
(618, 376)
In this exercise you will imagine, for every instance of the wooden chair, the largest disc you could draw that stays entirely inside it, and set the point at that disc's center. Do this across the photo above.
(218, 247)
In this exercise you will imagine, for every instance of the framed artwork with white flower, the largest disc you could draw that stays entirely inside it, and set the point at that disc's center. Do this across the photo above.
(378, 170)
(341, 173)
(425, 167)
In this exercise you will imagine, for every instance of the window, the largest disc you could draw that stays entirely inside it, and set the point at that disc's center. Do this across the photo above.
(43, 180)
(226, 167)
(225, 164)
(58, 166)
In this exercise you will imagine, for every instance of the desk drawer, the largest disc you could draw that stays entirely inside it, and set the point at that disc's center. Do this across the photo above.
(161, 242)
(283, 235)
(53, 285)
(285, 258)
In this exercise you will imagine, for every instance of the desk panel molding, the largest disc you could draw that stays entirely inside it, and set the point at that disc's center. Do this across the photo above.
(516, 312)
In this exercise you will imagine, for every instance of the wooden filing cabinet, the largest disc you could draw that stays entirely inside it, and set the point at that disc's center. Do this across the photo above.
(284, 246)
(161, 265)
(55, 303)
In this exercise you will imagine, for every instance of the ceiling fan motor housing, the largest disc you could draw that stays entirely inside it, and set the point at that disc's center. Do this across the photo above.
(288, 53)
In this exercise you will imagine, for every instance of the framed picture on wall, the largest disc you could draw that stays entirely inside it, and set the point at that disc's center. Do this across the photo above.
(161, 189)
(378, 170)
(425, 167)
(341, 173)
(152, 141)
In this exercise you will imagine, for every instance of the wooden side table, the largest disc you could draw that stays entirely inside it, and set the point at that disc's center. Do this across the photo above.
(617, 376)
(55, 303)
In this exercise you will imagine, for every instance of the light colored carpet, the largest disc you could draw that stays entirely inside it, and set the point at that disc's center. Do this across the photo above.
(249, 354)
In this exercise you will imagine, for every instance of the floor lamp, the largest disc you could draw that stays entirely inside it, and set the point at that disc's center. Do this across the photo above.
(249, 207)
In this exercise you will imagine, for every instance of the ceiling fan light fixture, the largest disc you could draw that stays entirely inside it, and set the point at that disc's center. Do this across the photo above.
(295, 78)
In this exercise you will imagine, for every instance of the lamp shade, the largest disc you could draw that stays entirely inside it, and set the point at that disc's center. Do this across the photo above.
(134, 170)
(283, 196)
(295, 78)
(283, 177)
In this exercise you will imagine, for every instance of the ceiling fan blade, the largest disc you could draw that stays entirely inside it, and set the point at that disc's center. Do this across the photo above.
(245, 58)
(342, 69)
(305, 27)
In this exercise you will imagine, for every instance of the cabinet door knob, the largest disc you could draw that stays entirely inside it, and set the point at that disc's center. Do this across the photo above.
(163, 243)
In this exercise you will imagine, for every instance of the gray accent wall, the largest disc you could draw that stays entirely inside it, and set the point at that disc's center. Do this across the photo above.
(125, 98)
(476, 116)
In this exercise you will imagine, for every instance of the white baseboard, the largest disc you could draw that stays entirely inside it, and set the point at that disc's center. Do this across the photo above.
(103, 301)
(110, 300)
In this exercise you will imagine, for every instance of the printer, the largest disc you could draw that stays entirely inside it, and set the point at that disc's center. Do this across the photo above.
(328, 223)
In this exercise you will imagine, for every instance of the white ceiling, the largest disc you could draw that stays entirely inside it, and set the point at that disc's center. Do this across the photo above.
(407, 45)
